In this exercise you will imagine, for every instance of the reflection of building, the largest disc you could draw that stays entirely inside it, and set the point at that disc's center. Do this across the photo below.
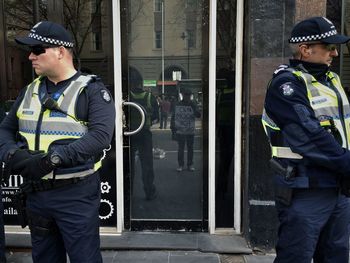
(146, 47)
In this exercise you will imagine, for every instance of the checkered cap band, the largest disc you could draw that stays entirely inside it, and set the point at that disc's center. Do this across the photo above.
(313, 37)
(51, 40)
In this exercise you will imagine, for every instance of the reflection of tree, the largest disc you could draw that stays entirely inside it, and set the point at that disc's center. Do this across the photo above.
(136, 9)
(19, 14)
(80, 17)
(226, 28)
(80, 21)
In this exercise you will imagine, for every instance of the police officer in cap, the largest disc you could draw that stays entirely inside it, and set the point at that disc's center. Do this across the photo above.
(307, 121)
(54, 136)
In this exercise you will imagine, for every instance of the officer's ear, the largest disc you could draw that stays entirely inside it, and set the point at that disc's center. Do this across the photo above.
(305, 50)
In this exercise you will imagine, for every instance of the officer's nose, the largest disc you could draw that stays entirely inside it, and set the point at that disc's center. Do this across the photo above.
(334, 53)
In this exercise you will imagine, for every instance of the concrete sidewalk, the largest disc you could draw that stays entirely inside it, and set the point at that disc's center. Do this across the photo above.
(155, 247)
(133, 256)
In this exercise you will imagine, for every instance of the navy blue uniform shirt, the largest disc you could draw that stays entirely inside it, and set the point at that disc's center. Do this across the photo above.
(93, 106)
(288, 106)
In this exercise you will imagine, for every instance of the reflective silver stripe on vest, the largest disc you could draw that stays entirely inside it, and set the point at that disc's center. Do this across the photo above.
(70, 175)
(76, 85)
(269, 121)
(29, 95)
(285, 152)
(329, 111)
(53, 128)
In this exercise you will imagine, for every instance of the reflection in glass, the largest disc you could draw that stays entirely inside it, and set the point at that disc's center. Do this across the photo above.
(164, 46)
(225, 109)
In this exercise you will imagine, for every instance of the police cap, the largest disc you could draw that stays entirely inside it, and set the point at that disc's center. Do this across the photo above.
(47, 33)
(317, 29)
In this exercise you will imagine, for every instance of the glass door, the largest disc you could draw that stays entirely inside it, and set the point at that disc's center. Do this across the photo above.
(164, 67)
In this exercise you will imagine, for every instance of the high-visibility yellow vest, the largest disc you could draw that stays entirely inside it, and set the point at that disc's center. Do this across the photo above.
(41, 127)
(325, 101)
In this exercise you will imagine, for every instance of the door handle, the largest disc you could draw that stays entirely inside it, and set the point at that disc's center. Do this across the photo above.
(143, 117)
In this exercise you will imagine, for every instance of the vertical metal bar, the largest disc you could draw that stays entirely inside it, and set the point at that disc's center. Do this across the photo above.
(119, 112)
(212, 114)
(36, 16)
(238, 115)
(163, 46)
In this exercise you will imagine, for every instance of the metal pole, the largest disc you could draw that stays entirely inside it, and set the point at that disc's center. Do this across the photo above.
(212, 113)
(188, 56)
(238, 116)
(118, 100)
(162, 47)
(35, 11)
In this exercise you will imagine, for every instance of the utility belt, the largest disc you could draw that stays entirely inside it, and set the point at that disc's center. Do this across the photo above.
(283, 194)
(39, 186)
(49, 184)
(80, 174)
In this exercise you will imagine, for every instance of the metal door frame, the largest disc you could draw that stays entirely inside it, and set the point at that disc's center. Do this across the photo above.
(212, 105)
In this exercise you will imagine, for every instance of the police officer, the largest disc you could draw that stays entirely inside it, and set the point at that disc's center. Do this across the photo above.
(54, 136)
(307, 120)
(142, 142)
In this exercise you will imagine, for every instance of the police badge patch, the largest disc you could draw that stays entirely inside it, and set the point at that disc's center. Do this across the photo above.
(287, 89)
(105, 96)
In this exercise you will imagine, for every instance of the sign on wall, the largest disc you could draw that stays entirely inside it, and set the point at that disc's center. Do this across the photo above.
(108, 194)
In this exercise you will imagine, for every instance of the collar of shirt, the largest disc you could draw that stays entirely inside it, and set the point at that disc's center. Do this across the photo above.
(315, 69)
(52, 87)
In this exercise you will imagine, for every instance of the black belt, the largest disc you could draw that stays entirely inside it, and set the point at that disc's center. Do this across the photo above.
(49, 184)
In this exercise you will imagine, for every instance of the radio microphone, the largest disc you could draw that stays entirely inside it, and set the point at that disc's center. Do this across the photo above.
(50, 104)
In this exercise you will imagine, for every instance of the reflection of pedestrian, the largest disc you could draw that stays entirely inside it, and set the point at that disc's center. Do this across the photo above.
(67, 118)
(164, 111)
(2, 232)
(306, 119)
(183, 127)
(142, 141)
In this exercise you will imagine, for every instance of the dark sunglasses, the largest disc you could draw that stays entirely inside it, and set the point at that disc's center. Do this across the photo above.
(329, 47)
(38, 50)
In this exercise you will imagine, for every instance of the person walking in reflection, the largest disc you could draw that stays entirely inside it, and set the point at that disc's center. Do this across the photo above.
(183, 128)
(164, 111)
(142, 142)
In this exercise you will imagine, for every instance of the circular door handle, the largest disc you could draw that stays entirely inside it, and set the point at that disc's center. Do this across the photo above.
(143, 117)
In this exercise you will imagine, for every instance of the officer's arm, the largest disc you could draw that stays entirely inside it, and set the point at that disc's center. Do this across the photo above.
(101, 119)
(287, 104)
(9, 128)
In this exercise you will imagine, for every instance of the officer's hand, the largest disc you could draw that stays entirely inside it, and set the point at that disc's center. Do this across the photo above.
(35, 168)
(14, 158)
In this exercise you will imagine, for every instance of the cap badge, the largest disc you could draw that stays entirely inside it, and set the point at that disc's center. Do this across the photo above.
(34, 27)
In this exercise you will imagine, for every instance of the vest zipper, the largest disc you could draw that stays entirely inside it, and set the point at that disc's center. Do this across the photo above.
(38, 129)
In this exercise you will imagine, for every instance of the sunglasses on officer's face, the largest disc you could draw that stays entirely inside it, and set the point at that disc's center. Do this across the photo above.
(329, 47)
(40, 49)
